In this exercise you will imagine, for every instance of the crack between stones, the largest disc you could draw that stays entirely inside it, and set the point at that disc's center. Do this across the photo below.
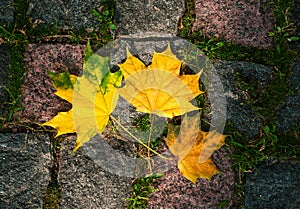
(53, 192)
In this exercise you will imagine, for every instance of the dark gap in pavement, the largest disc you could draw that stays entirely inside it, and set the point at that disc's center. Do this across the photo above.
(53, 191)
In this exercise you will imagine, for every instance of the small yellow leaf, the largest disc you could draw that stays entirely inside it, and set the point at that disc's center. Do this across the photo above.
(188, 146)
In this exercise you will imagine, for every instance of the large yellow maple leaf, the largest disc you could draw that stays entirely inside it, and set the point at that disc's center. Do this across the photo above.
(93, 96)
(159, 88)
(187, 146)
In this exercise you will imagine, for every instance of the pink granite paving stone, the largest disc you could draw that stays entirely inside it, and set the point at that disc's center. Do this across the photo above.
(39, 102)
(245, 22)
(175, 191)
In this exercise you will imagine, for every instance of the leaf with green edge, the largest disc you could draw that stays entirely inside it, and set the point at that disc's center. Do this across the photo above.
(111, 80)
(94, 96)
(88, 52)
(62, 80)
(95, 67)
(64, 84)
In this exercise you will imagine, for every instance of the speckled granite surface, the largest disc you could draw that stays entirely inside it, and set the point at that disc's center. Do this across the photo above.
(66, 15)
(85, 184)
(291, 105)
(25, 162)
(245, 22)
(134, 16)
(273, 185)
(38, 98)
(233, 75)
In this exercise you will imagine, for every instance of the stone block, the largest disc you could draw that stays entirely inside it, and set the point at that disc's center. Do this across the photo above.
(24, 170)
(273, 185)
(136, 16)
(288, 116)
(66, 15)
(245, 22)
(87, 185)
(232, 75)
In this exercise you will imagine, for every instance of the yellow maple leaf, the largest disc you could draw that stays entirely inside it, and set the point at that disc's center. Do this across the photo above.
(188, 145)
(63, 83)
(159, 88)
(62, 128)
(93, 96)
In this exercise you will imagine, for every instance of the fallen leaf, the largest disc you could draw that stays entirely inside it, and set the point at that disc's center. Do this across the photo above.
(64, 84)
(93, 108)
(187, 143)
(93, 96)
(159, 88)
(62, 122)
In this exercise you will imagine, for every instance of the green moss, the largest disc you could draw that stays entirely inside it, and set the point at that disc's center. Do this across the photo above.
(142, 123)
(105, 17)
(14, 37)
(248, 153)
(53, 195)
(185, 27)
(141, 191)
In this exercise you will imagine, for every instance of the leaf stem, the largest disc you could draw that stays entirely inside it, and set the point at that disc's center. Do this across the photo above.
(137, 139)
(149, 140)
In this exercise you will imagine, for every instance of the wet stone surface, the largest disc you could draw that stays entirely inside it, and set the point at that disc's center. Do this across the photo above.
(135, 16)
(242, 22)
(24, 170)
(233, 75)
(85, 184)
(65, 14)
(273, 185)
(4, 71)
(6, 12)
